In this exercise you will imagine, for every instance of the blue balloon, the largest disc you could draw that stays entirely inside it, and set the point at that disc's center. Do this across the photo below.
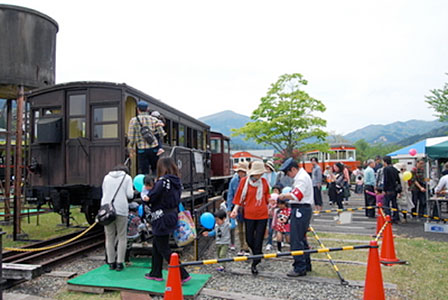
(286, 190)
(138, 182)
(207, 220)
(141, 211)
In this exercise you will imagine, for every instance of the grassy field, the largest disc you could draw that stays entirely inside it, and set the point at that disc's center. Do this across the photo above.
(48, 227)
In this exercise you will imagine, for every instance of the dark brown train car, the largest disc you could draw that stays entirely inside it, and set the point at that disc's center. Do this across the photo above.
(221, 161)
(78, 133)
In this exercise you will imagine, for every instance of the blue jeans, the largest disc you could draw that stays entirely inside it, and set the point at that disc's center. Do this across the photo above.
(270, 231)
(300, 221)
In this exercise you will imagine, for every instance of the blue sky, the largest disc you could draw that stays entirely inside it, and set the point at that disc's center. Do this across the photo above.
(370, 62)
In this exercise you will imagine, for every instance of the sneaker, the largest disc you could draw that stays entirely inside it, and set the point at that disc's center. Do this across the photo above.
(112, 266)
(220, 269)
(119, 267)
(294, 274)
(268, 247)
(160, 152)
(240, 253)
(186, 279)
(246, 253)
(232, 248)
(148, 276)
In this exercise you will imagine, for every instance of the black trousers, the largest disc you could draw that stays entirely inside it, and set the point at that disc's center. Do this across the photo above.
(161, 250)
(369, 200)
(300, 221)
(255, 230)
(419, 200)
(390, 200)
(147, 158)
(317, 196)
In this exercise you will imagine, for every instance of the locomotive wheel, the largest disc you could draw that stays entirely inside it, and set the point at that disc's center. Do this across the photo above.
(90, 213)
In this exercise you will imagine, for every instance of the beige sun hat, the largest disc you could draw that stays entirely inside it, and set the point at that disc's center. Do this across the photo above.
(257, 168)
(270, 165)
(242, 166)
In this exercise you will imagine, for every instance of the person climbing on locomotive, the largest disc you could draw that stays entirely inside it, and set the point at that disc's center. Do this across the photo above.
(146, 153)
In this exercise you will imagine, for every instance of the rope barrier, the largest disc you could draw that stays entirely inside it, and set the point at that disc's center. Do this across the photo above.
(52, 246)
(342, 209)
(336, 269)
(416, 214)
(272, 255)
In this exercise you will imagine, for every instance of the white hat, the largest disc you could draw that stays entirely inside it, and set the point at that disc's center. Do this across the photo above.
(270, 165)
(242, 166)
(257, 168)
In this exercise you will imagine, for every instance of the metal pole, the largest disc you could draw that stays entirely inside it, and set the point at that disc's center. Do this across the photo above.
(8, 160)
(1, 263)
(18, 165)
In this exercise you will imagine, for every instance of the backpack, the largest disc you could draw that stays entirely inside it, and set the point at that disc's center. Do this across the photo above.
(146, 133)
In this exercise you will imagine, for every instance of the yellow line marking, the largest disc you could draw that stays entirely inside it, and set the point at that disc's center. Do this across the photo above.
(210, 261)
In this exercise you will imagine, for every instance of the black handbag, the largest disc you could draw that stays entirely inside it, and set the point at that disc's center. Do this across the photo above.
(106, 213)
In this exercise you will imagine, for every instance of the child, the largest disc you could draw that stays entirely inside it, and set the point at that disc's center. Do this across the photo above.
(222, 233)
(148, 182)
(281, 223)
(359, 184)
(276, 190)
(379, 195)
(134, 227)
(160, 123)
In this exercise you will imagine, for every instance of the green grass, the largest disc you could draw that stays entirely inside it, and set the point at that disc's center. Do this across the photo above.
(82, 296)
(424, 277)
(47, 228)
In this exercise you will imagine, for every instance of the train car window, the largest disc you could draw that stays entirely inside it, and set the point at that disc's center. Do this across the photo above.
(334, 155)
(52, 111)
(174, 140)
(105, 122)
(36, 115)
(181, 135)
(195, 139)
(77, 116)
(189, 139)
(215, 146)
(167, 137)
(205, 139)
(226, 146)
(342, 154)
(200, 141)
(351, 155)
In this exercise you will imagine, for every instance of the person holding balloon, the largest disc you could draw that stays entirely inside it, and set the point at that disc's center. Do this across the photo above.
(253, 195)
(404, 200)
(117, 187)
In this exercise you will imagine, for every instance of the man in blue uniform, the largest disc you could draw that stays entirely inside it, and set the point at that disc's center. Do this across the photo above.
(301, 201)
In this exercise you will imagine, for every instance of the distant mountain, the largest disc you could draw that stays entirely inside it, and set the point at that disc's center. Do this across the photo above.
(441, 131)
(394, 132)
(227, 120)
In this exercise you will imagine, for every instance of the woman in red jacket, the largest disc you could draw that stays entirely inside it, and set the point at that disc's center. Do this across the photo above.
(253, 195)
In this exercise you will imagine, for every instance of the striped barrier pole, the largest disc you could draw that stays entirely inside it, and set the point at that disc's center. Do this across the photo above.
(336, 269)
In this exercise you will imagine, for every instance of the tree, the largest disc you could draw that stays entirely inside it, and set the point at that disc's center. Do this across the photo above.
(365, 151)
(439, 101)
(285, 118)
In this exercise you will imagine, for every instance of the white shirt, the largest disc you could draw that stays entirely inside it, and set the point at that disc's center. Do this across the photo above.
(443, 184)
(110, 185)
(302, 184)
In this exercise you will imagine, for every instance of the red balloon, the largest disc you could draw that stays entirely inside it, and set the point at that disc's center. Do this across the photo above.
(412, 152)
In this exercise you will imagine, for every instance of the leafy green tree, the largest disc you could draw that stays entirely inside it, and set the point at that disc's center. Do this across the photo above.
(439, 101)
(365, 151)
(285, 118)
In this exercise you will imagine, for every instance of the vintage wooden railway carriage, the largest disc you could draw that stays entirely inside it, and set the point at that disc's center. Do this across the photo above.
(78, 133)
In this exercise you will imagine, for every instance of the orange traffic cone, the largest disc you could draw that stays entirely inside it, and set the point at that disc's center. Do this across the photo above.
(388, 256)
(374, 289)
(379, 219)
(173, 289)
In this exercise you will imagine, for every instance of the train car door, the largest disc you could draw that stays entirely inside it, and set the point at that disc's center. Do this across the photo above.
(77, 142)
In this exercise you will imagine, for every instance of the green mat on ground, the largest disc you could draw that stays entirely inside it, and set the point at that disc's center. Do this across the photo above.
(132, 278)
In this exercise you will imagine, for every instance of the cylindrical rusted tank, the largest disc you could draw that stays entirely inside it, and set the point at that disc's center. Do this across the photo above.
(27, 49)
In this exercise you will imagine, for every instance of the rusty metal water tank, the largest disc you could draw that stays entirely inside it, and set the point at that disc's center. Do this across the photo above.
(27, 49)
